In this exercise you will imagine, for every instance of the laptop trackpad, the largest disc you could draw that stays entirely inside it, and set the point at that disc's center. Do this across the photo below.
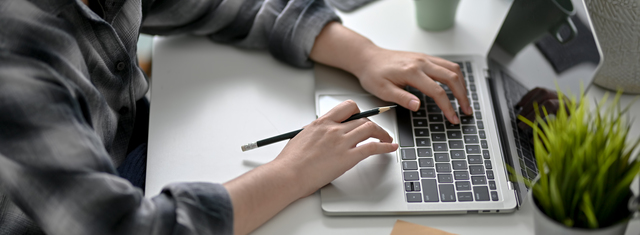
(373, 179)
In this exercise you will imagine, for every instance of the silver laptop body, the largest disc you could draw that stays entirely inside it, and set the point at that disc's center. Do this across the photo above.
(418, 179)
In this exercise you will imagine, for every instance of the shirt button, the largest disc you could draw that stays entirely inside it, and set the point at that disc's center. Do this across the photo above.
(120, 66)
(123, 110)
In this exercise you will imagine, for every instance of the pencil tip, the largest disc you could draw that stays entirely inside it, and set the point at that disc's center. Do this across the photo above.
(386, 108)
(249, 146)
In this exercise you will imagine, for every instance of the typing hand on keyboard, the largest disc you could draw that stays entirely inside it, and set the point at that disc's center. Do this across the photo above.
(388, 72)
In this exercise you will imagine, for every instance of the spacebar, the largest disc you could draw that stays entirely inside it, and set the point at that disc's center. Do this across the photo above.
(405, 134)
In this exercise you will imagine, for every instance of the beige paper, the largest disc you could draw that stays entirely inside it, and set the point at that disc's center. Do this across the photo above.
(405, 228)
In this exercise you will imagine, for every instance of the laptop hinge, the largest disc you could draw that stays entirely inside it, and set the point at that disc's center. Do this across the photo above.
(487, 73)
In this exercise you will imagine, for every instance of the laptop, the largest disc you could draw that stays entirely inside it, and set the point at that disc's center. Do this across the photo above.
(441, 168)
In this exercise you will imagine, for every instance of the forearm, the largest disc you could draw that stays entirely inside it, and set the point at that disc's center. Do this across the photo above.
(340, 47)
(260, 194)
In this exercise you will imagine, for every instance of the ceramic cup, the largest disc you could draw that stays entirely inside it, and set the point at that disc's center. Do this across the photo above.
(529, 20)
(436, 15)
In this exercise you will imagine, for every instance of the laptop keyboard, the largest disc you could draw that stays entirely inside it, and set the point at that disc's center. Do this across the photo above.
(514, 91)
(442, 162)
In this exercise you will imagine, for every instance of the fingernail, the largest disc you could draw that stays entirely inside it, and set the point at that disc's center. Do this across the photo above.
(455, 119)
(414, 105)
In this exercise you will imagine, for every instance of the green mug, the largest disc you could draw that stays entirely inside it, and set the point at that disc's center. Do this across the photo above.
(529, 20)
(436, 15)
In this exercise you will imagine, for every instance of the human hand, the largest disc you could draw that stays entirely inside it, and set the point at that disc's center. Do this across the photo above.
(544, 98)
(387, 72)
(326, 148)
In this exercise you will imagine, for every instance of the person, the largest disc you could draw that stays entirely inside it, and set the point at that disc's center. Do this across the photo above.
(72, 112)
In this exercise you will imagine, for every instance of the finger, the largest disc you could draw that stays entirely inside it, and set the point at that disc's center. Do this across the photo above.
(353, 124)
(454, 81)
(399, 96)
(430, 88)
(363, 151)
(455, 67)
(342, 111)
(367, 130)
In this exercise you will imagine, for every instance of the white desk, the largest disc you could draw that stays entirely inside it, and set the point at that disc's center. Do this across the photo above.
(209, 99)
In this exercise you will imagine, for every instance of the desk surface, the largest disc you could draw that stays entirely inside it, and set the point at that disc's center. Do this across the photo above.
(209, 99)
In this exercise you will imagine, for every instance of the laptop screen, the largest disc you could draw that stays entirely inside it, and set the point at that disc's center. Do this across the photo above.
(539, 52)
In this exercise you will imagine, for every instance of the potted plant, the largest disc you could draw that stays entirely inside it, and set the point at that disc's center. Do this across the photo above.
(586, 168)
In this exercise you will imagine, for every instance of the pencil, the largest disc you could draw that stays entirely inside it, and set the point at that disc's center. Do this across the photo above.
(292, 134)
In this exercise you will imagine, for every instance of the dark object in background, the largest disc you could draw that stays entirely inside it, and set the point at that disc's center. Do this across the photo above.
(563, 57)
(348, 5)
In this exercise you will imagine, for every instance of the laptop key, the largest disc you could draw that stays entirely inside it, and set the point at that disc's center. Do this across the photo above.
(427, 173)
(484, 144)
(426, 162)
(458, 154)
(420, 122)
(414, 197)
(409, 165)
(476, 170)
(472, 87)
(461, 175)
(436, 127)
(474, 96)
(442, 157)
(480, 125)
(474, 159)
(459, 165)
(411, 175)
(476, 180)
(439, 137)
(471, 139)
(471, 79)
(454, 134)
(447, 193)
(487, 164)
(445, 178)
(423, 142)
(476, 105)
(435, 118)
(481, 193)
(482, 135)
(463, 185)
(408, 154)
(490, 174)
(420, 113)
(468, 130)
(456, 144)
(405, 137)
(465, 196)
(408, 186)
(494, 196)
(416, 186)
(440, 147)
(425, 152)
(485, 154)
(468, 66)
(467, 120)
(432, 108)
(478, 115)
(443, 167)
(419, 132)
(492, 185)
(451, 126)
(473, 149)
(430, 190)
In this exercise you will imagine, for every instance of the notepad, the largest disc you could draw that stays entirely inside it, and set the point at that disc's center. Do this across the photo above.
(405, 228)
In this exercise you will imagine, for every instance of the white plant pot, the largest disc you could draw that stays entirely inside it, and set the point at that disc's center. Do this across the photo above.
(617, 27)
(543, 225)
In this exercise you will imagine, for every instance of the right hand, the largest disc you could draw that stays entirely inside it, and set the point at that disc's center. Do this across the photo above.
(544, 98)
(326, 148)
